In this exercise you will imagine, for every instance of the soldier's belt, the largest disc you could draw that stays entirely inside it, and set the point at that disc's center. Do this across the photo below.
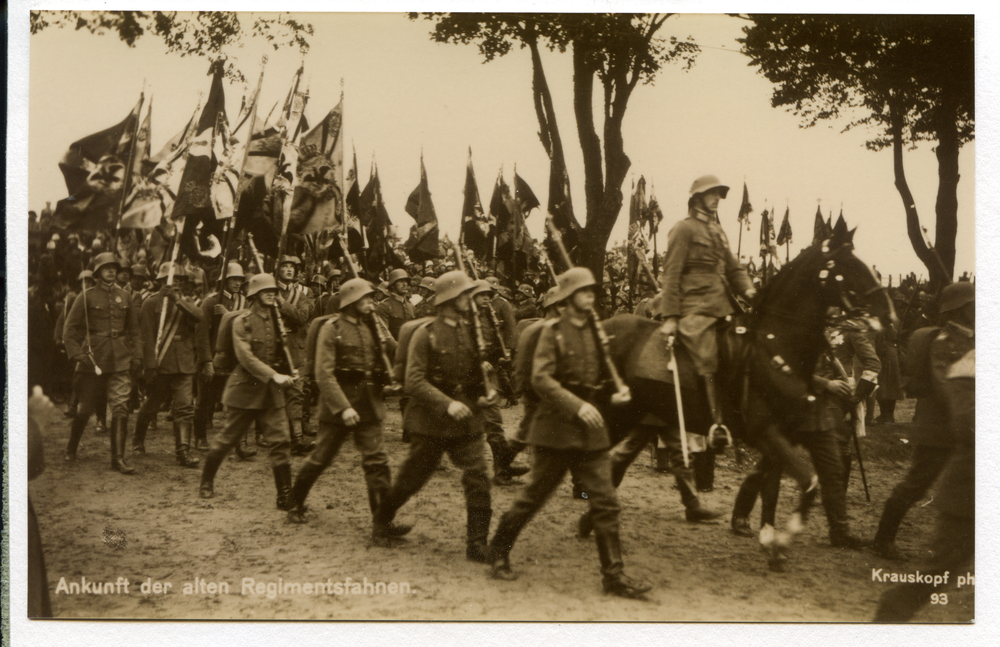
(114, 334)
(700, 269)
(586, 391)
(357, 376)
(454, 390)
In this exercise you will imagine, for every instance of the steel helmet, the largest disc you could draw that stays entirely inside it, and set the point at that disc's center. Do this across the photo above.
(481, 286)
(140, 270)
(107, 258)
(383, 287)
(526, 290)
(56, 237)
(492, 280)
(294, 260)
(259, 283)
(234, 271)
(122, 265)
(165, 270)
(574, 279)
(197, 275)
(450, 285)
(397, 275)
(956, 295)
(552, 296)
(353, 290)
(319, 278)
(427, 282)
(706, 183)
(86, 274)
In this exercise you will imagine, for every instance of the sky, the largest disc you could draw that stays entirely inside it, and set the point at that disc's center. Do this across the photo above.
(406, 95)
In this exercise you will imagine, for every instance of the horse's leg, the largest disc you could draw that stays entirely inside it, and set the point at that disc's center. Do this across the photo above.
(763, 481)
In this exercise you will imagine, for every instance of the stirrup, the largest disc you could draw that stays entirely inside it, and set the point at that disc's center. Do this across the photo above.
(719, 437)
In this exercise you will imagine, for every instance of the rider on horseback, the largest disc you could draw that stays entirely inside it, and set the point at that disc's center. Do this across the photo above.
(700, 274)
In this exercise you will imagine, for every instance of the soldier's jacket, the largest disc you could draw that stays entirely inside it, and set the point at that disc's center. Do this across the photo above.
(508, 322)
(958, 387)
(697, 266)
(182, 355)
(257, 346)
(208, 327)
(395, 313)
(644, 308)
(424, 309)
(494, 355)
(524, 357)
(347, 365)
(441, 367)
(527, 311)
(296, 312)
(139, 297)
(935, 416)
(60, 327)
(566, 372)
(114, 329)
(849, 342)
(332, 304)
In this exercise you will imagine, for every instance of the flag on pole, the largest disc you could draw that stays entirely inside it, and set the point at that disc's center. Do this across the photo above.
(352, 202)
(821, 229)
(375, 220)
(636, 221)
(318, 203)
(478, 229)
(766, 232)
(654, 213)
(560, 207)
(422, 245)
(513, 243)
(526, 200)
(785, 232)
(94, 169)
(745, 207)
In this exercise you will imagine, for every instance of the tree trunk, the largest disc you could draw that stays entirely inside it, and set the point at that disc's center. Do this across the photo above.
(946, 208)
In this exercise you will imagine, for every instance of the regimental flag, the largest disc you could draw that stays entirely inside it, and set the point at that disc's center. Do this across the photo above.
(478, 229)
(785, 232)
(265, 147)
(194, 199)
(422, 245)
(821, 228)
(745, 207)
(375, 220)
(653, 213)
(318, 202)
(143, 145)
(560, 208)
(94, 169)
(154, 186)
(352, 202)
(526, 200)
(766, 233)
(636, 221)
(513, 245)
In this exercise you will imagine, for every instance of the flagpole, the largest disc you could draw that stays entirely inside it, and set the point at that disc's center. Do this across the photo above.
(128, 168)
(239, 179)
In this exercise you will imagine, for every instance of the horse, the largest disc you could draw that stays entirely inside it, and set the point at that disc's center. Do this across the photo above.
(766, 361)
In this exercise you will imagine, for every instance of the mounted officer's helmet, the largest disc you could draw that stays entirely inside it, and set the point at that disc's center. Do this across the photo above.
(164, 271)
(398, 275)
(450, 285)
(294, 260)
(259, 283)
(481, 286)
(956, 295)
(234, 271)
(353, 290)
(573, 280)
(107, 258)
(707, 183)
(140, 270)
(552, 296)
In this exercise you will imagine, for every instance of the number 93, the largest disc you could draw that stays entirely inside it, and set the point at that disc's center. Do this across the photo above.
(939, 598)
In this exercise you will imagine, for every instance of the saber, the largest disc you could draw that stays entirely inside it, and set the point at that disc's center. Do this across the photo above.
(86, 322)
(680, 403)
(854, 430)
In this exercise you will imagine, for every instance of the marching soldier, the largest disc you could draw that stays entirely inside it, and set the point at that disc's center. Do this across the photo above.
(426, 306)
(213, 308)
(505, 312)
(503, 454)
(318, 286)
(568, 433)
(526, 303)
(699, 274)
(296, 304)
(444, 415)
(139, 278)
(124, 278)
(255, 391)
(397, 309)
(350, 379)
(170, 366)
(102, 337)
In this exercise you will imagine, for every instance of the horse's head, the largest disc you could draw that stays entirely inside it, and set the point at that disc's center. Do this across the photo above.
(848, 283)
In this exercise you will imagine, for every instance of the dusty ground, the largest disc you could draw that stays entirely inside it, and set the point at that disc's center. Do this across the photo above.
(700, 572)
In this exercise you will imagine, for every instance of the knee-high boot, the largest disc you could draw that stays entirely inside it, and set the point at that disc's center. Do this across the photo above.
(300, 447)
(212, 463)
(501, 545)
(283, 485)
(75, 434)
(616, 582)
(477, 532)
(704, 470)
(684, 476)
(142, 422)
(304, 481)
(119, 429)
(182, 444)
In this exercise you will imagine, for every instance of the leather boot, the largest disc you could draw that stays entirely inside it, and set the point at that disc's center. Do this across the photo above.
(684, 476)
(704, 470)
(304, 481)
(212, 462)
(585, 525)
(199, 428)
(300, 447)
(718, 435)
(119, 429)
(390, 529)
(477, 533)
(616, 582)
(75, 434)
(283, 485)
(501, 545)
(182, 444)
(142, 423)
(243, 449)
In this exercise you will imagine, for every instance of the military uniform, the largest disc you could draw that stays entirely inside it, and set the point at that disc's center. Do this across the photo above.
(113, 336)
(174, 374)
(395, 311)
(508, 321)
(296, 313)
(252, 396)
(207, 334)
(441, 367)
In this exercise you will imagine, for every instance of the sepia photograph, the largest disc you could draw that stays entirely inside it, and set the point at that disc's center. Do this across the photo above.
(498, 317)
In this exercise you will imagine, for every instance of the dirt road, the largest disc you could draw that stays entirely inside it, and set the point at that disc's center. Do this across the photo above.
(153, 528)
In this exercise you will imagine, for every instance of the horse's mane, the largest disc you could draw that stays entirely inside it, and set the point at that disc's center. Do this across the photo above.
(789, 278)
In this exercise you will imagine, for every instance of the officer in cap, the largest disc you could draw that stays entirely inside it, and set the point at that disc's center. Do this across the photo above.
(444, 415)
(568, 432)
(296, 303)
(170, 358)
(397, 309)
(213, 381)
(350, 378)
(102, 337)
(255, 392)
(699, 275)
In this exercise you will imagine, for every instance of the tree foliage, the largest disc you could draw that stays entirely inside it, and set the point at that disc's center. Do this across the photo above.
(906, 78)
(211, 34)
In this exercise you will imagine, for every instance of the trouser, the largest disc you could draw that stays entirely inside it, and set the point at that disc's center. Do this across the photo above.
(698, 335)
(294, 398)
(177, 387)
(639, 437)
(468, 453)
(887, 409)
(368, 438)
(109, 389)
(273, 424)
(591, 469)
(926, 464)
(208, 396)
(504, 451)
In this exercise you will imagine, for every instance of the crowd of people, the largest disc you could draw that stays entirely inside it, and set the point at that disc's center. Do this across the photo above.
(307, 354)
